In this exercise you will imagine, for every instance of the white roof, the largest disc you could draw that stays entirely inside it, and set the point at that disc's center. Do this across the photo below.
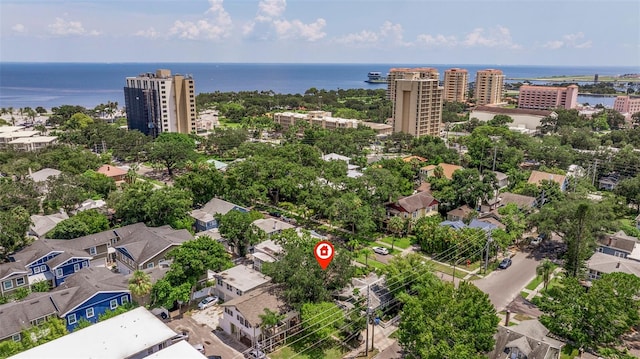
(35, 139)
(181, 349)
(10, 128)
(119, 337)
(243, 277)
(336, 157)
(16, 134)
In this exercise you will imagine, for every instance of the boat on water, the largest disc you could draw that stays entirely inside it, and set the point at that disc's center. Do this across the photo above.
(375, 77)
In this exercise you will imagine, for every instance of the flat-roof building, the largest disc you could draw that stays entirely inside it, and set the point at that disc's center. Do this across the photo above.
(456, 82)
(489, 87)
(417, 101)
(546, 97)
(323, 119)
(159, 102)
(627, 104)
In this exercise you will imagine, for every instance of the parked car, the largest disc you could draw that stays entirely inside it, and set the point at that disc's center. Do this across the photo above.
(536, 240)
(381, 250)
(208, 302)
(214, 357)
(199, 347)
(255, 354)
(505, 263)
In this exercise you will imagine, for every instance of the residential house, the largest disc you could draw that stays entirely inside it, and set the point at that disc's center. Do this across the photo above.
(525, 203)
(447, 170)
(13, 276)
(237, 281)
(609, 182)
(265, 252)
(133, 335)
(117, 173)
(487, 224)
(182, 349)
(43, 175)
(241, 316)
(145, 247)
(220, 166)
(461, 213)
(272, 226)
(537, 176)
(100, 246)
(99, 205)
(379, 294)
(336, 157)
(46, 259)
(418, 205)
(206, 216)
(43, 224)
(601, 263)
(527, 340)
(575, 171)
(85, 295)
(620, 245)
(455, 224)
(414, 158)
(503, 179)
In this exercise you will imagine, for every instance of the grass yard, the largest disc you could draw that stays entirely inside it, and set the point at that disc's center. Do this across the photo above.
(288, 352)
(227, 124)
(403, 242)
(569, 352)
(448, 270)
(524, 294)
(371, 261)
(534, 283)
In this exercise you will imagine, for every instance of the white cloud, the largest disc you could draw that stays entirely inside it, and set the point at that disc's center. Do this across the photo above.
(499, 36)
(216, 27)
(575, 41)
(150, 33)
(270, 19)
(69, 28)
(19, 28)
(388, 34)
(437, 40)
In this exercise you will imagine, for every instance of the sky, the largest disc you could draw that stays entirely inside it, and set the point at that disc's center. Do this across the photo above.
(501, 32)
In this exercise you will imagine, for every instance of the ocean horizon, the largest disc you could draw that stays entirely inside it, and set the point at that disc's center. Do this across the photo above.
(51, 84)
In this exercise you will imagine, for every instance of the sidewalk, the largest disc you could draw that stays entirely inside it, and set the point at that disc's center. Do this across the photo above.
(532, 293)
(381, 341)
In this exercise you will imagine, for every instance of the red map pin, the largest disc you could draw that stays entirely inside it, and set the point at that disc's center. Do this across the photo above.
(324, 253)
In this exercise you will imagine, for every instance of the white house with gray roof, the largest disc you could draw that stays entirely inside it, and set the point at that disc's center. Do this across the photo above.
(237, 281)
(206, 216)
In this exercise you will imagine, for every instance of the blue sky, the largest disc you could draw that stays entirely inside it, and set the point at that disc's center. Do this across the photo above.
(502, 32)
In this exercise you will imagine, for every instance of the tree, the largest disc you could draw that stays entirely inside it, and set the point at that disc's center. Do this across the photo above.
(171, 149)
(545, 269)
(321, 320)
(500, 120)
(193, 258)
(441, 321)
(268, 320)
(238, 227)
(350, 211)
(80, 225)
(13, 229)
(98, 183)
(594, 317)
(204, 182)
(64, 191)
(140, 285)
(303, 279)
(405, 274)
(366, 252)
(41, 286)
(78, 121)
(395, 225)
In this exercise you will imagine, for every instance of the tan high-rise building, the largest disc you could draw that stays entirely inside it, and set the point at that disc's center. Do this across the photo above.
(417, 104)
(489, 87)
(159, 102)
(399, 73)
(456, 82)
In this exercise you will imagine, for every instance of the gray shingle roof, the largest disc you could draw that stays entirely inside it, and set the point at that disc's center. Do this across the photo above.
(416, 201)
(44, 174)
(251, 305)
(7, 269)
(518, 199)
(144, 243)
(16, 316)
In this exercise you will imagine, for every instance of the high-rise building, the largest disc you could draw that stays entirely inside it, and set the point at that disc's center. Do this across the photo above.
(456, 84)
(489, 87)
(159, 102)
(546, 97)
(399, 73)
(626, 104)
(417, 103)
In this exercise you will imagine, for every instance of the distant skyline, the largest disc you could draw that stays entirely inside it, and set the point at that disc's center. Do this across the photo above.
(499, 32)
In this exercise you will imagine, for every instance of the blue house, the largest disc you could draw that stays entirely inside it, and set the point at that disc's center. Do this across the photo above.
(47, 259)
(206, 216)
(84, 295)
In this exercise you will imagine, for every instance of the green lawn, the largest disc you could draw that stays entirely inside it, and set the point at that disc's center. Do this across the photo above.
(227, 124)
(371, 261)
(288, 352)
(403, 242)
(534, 283)
(524, 294)
(569, 352)
(448, 270)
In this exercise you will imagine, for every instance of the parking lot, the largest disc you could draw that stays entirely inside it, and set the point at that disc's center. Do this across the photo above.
(201, 326)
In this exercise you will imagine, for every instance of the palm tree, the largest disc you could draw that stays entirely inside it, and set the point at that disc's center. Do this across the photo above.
(366, 252)
(545, 269)
(140, 285)
(269, 320)
(395, 225)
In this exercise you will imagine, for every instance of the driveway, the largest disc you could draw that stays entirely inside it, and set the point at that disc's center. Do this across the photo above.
(503, 286)
(201, 328)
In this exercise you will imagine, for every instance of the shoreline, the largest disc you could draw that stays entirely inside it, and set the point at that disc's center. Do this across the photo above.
(577, 78)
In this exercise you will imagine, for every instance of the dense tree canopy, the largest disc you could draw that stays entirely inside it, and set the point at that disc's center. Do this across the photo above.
(82, 224)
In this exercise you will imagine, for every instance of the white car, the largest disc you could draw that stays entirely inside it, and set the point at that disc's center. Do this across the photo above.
(207, 302)
(381, 250)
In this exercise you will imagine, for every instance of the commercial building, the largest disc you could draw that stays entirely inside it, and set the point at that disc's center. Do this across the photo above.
(417, 102)
(456, 83)
(323, 119)
(489, 87)
(627, 104)
(545, 97)
(159, 102)
(524, 120)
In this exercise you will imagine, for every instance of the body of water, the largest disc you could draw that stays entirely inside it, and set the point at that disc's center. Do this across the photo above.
(89, 84)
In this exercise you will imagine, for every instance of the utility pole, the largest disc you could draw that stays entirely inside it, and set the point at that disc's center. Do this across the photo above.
(366, 343)
(595, 170)
(486, 255)
(373, 328)
(495, 154)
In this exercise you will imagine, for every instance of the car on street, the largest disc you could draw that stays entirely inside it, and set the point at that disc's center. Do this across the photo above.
(199, 347)
(208, 302)
(381, 250)
(214, 357)
(505, 263)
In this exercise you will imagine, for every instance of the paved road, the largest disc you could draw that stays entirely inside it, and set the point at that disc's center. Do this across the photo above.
(503, 286)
